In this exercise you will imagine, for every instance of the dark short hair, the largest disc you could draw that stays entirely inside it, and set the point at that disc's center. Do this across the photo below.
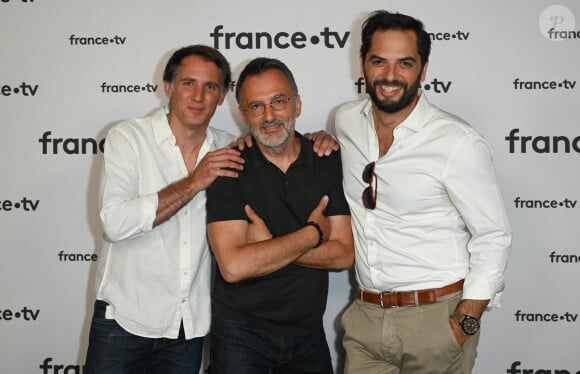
(382, 20)
(260, 65)
(208, 53)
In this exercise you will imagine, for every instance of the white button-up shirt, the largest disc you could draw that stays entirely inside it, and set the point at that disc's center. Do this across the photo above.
(439, 215)
(153, 277)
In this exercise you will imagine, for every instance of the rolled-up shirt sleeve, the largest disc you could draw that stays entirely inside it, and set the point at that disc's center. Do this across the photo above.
(472, 186)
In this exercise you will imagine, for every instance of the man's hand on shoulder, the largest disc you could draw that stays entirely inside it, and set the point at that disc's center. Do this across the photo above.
(324, 142)
(242, 142)
(220, 163)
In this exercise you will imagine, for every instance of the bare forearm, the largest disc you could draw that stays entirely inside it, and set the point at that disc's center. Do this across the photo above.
(172, 198)
(335, 254)
(220, 163)
(474, 308)
(262, 258)
(332, 255)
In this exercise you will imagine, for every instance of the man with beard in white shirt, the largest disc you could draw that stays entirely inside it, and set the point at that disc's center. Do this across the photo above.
(432, 236)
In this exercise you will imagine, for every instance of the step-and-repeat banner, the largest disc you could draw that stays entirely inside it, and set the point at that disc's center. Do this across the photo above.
(70, 69)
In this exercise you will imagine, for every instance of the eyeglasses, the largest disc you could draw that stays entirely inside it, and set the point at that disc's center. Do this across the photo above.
(369, 195)
(257, 108)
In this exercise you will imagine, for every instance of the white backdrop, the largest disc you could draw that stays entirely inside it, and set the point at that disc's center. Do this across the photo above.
(492, 63)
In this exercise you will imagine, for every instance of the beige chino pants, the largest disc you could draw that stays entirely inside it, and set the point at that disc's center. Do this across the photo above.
(405, 340)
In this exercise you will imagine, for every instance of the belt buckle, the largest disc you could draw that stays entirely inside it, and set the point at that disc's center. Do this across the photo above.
(381, 299)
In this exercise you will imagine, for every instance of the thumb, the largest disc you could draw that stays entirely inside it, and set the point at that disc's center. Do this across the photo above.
(252, 215)
(322, 204)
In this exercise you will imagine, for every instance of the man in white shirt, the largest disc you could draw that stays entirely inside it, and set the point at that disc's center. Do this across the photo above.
(432, 237)
(153, 280)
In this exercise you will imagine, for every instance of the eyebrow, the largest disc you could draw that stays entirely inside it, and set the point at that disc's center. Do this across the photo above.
(281, 94)
(407, 58)
(191, 79)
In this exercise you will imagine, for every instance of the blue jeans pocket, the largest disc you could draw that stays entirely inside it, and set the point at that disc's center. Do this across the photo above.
(99, 314)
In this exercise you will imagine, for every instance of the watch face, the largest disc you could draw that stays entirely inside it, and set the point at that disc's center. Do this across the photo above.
(469, 325)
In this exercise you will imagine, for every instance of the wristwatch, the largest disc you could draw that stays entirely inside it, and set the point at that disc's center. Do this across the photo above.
(469, 325)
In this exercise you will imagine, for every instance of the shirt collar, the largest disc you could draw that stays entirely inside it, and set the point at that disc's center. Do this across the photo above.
(415, 121)
(162, 130)
(258, 160)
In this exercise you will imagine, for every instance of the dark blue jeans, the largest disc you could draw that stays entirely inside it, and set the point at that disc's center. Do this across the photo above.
(241, 349)
(113, 350)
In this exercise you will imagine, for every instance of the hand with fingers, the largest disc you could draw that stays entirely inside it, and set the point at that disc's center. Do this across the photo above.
(242, 142)
(257, 229)
(324, 142)
(223, 162)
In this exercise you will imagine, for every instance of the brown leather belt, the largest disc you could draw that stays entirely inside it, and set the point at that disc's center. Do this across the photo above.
(408, 298)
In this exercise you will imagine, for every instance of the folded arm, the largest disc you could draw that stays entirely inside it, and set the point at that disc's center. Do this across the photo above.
(337, 253)
(239, 260)
(246, 249)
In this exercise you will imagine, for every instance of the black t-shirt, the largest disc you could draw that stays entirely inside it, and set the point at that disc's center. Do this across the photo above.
(291, 300)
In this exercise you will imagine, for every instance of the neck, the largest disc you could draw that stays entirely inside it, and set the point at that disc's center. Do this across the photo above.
(284, 155)
(187, 138)
(385, 124)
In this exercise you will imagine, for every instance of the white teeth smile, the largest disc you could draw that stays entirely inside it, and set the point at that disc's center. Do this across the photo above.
(390, 88)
